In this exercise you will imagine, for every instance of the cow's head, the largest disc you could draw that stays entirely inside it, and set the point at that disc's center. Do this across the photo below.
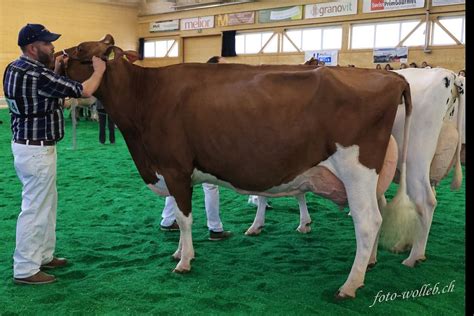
(79, 66)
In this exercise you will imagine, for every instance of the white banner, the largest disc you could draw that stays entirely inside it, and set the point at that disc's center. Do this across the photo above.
(371, 6)
(391, 55)
(447, 2)
(203, 22)
(284, 14)
(164, 26)
(325, 9)
(329, 57)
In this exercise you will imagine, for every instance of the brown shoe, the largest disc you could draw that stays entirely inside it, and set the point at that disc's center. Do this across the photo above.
(38, 278)
(173, 227)
(219, 235)
(55, 263)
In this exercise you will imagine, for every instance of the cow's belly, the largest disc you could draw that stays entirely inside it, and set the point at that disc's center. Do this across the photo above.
(319, 180)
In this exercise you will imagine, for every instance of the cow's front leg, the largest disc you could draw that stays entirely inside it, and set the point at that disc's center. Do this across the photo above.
(259, 220)
(185, 251)
(305, 219)
(180, 187)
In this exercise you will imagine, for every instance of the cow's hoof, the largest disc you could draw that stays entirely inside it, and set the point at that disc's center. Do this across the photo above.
(181, 271)
(414, 263)
(340, 296)
(409, 263)
(254, 232)
(304, 229)
(371, 265)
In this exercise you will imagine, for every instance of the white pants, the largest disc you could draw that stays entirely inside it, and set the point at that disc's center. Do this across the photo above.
(36, 225)
(211, 202)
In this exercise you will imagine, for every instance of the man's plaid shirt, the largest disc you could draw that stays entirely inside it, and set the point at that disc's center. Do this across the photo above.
(33, 93)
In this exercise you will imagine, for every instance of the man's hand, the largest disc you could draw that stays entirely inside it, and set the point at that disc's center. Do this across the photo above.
(90, 85)
(60, 63)
(98, 64)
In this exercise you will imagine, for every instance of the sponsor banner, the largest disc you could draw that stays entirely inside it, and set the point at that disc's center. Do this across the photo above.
(280, 14)
(203, 22)
(164, 26)
(235, 18)
(371, 6)
(325, 9)
(435, 3)
(329, 56)
(389, 55)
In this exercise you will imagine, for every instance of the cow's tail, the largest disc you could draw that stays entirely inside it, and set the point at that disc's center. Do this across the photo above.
(457, 177)
(401, 223)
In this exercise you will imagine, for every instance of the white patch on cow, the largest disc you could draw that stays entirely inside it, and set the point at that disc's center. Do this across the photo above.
(160, 187)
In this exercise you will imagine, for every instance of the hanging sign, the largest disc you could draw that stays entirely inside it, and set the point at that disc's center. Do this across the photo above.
(436, 3)
(325, 9)
(164, 26)
(390, 55)
(280, 14)
(235, 18)
(203, 22)
(329, 57)
(371, 6)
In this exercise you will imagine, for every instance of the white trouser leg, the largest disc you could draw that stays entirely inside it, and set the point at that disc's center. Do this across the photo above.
(35, 231)
(211, 202)
(168, 213)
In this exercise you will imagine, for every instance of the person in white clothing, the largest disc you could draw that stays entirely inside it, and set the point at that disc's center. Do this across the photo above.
(34, 95)
(211, 202)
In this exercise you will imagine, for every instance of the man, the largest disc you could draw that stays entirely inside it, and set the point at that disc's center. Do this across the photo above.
(34, 93)
(211, 201)
(105, 119)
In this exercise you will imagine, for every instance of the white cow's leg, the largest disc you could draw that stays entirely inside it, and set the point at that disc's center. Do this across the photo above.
(259, 220)
(185, 250)
(425, 201)
(305, 219)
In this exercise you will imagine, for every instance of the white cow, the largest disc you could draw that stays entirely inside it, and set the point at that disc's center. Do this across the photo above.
(73, 103)
(434, 147)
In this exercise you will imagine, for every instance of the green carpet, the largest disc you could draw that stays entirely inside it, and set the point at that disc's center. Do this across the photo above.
(108, 227)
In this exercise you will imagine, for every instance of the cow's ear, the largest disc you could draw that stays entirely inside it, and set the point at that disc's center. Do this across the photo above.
(131, 55)
(108, 40)
(113, 52)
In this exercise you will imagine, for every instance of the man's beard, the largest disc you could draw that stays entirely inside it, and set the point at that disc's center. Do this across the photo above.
(45, 59)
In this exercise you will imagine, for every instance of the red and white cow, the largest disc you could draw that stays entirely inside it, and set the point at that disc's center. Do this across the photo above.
(329, 119)
(435, 141)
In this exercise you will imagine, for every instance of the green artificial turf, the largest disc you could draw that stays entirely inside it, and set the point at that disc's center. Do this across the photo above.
(108, 227)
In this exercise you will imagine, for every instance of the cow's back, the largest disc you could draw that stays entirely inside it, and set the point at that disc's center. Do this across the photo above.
(240, 122)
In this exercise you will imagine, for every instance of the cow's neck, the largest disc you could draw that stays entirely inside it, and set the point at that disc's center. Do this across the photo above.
(119, 94)
(116, 92)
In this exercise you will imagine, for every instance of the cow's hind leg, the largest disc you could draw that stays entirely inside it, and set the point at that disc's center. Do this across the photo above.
(425, 201)
(382, 202)
(259, 220)
(360, 183)
(305, 219)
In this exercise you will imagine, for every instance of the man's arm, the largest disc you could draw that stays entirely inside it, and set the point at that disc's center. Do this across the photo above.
(92, 84)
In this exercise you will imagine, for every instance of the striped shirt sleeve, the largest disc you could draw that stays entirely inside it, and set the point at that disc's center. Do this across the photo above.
(55, 86)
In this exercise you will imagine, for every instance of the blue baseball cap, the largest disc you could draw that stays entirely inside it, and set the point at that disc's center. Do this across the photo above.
(35, 32)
